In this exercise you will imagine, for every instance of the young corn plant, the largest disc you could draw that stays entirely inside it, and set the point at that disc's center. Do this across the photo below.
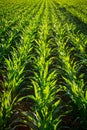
(45, 89)
(76, 89)
(15, 67)
(46, 102)
(68, 68)
(78, 45)
(74, 86)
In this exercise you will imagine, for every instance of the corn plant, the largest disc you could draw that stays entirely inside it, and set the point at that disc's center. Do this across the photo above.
(47, 103)
(15, 67)
(74, 86)
(68, 67)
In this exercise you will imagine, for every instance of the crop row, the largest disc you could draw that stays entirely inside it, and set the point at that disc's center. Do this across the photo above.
(43, 61)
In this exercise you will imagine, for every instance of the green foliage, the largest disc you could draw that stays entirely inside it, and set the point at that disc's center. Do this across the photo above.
(43, 61)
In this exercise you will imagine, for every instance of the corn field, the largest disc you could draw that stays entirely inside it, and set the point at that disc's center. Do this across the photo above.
(43, 65)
